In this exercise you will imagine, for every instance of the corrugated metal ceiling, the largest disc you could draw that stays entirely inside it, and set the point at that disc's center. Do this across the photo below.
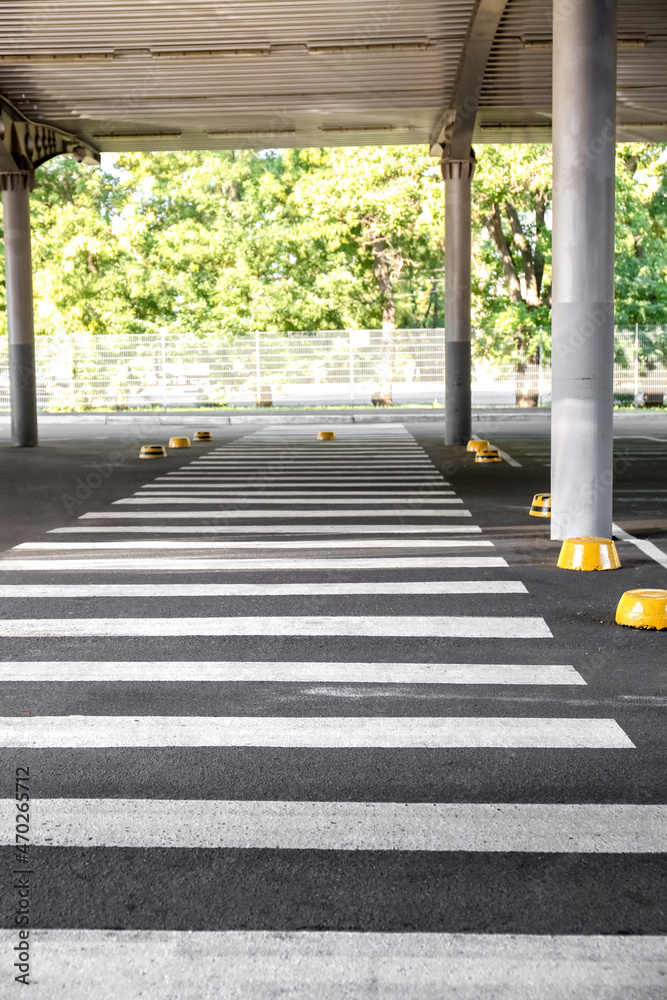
(515, 104)
(145, 74)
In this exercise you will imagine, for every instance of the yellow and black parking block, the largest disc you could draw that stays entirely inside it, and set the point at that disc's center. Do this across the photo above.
(153, 451)
(541, 505)
(488, 455)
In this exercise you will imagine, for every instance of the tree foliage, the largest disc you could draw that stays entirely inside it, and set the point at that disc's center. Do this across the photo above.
(320, 239)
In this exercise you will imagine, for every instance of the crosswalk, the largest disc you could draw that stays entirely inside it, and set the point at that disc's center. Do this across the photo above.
(241, 718)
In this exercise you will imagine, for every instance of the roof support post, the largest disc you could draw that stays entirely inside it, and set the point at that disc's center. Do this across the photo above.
(16, 186)
(457, 175)
(584, 136)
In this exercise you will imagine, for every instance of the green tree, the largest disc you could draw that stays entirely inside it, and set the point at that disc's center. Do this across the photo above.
(512, 203)
(381, 211)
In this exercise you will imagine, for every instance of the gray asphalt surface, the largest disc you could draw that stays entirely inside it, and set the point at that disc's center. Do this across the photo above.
(482, 895)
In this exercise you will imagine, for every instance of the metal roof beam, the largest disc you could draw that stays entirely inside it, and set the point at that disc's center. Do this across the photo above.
(25, 144)
(452, 135)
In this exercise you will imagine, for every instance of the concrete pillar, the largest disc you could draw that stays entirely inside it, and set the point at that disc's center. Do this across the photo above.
(584, 135)
(458, 177)
(16, 188)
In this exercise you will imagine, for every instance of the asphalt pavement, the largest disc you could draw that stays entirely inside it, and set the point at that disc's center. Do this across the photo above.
(302, 718)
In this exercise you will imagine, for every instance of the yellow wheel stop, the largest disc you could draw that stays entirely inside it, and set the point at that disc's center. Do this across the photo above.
(153, 451)
(477, 445)
(326, 436)
(203, 436)
(179, 442)
(588, 554)
(488, 455)
(643, 609)
(541, 505)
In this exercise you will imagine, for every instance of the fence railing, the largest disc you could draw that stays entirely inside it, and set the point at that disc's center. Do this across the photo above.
(345, 367)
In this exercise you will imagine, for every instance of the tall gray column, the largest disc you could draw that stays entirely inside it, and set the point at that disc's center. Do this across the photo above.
(584, 135)
(16, 188)
(458, 177)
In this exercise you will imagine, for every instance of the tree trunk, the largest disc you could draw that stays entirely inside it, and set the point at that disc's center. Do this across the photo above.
(540, 211)
(532, 295)
(388, 346)
(495, 227)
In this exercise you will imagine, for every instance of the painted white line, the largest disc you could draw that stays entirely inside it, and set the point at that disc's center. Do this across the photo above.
(295, 731)
(269, 471)
(341, 826)
(378, 626)
(388, 458)
(193, 498)
(259, 480)
(338, 453)
(308, 588)
(286, 478)
(340, 965)
(241, 565)
(278, 514)
(207, 543)
(640, 491)
(254, 485)
(404, 495)
(648, 548)
(201, 497)
(187, 671)
(380, 452)
(321, 468)
(363, 465)
(503, 454)
(320, 456)
(272, 529)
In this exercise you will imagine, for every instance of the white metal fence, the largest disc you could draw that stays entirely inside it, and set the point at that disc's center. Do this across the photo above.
(298, 369)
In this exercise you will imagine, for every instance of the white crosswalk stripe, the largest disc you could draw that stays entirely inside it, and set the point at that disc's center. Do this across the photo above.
(189, 498)
(277, 514)
(269, 715)
(328, 731)
(335, 543)
(64, 590)
(337, 965)
(344, 826)
(473, 626)
(428, 494)
(273, 529)
(284, 671)
(249, 565)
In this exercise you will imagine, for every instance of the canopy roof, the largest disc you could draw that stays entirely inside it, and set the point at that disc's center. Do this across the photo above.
(217, 74)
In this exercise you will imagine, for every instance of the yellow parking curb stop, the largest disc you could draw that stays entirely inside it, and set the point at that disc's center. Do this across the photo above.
(477, 445)
(153, 451)
(326, 436)
(203, 436)
(643, 609)
(488, 455)
(588, 554)
(179, 442)
(541, 505)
